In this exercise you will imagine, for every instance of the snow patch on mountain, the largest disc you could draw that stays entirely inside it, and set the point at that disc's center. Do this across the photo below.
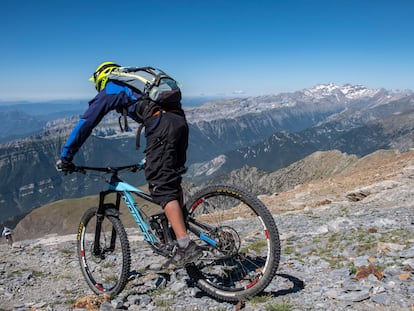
(210, 167)
(329, 93)
(345, 91)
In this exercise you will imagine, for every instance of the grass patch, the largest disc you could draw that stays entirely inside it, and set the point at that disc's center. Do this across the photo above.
(160, 291)
(164, 303)
(111, 279)
(16, 273)
(255, 300)
(288, 247)
(399, 236)
(279, 306)
(38, 274)
(70, 301)
(67, 251)
(336, 262)
(361, 242)
(352, 268)
(256, 246)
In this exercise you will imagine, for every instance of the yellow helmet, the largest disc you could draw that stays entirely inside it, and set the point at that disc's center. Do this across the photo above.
(100, 76)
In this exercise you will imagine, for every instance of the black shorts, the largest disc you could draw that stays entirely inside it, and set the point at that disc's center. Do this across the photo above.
(166, 152)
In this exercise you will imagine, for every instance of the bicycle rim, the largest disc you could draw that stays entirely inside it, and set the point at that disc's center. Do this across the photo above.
(106, 270)
(247, 255)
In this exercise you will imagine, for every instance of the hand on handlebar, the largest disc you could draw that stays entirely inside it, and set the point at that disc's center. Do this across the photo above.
(69, 167)
(65, 167)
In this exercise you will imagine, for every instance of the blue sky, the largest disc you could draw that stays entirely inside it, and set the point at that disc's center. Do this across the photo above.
(49, 48)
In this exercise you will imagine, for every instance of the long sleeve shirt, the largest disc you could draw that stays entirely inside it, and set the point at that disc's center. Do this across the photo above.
(113, 97)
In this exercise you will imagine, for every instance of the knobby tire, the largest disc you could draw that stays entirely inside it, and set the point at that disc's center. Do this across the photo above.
(248, 252)
(107, 271)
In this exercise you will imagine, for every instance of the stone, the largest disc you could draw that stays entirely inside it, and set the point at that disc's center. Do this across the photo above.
(408, 253)
(361, 261)
(106, 306)
(389, 247)
(354, 296)
(382, 299)
(392, 271)
(409, 263)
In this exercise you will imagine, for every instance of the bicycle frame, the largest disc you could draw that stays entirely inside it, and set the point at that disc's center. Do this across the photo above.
(125, 191)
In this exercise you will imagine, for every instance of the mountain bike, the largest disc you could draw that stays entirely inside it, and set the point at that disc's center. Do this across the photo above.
(235, 231)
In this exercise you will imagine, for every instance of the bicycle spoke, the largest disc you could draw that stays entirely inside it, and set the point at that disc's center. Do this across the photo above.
(107, 270)
(247, 247)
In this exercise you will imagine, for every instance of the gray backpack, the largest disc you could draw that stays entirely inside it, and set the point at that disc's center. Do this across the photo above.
(157, 89)
(154, 84)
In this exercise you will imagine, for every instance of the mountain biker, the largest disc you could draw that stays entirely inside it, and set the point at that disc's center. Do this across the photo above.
(7, 233)
(167, 142)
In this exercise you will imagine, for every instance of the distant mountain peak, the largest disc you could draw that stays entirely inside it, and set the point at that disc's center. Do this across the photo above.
(328, 94)
(349, 91)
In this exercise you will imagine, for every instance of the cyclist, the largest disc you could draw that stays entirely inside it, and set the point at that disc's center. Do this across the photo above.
(167, 142)
(7, 233)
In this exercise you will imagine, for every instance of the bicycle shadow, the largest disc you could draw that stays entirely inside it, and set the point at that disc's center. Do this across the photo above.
(297, 286)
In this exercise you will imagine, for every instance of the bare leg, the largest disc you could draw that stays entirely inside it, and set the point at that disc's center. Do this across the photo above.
(187, 251)
(175, 216)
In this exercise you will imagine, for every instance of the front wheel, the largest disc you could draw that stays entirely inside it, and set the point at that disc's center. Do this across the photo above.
(240, 241)
(103, 251)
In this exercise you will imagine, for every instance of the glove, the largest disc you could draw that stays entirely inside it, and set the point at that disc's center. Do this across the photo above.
(64, 166)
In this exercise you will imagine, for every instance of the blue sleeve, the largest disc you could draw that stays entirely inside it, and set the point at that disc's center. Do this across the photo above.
(70, 148)
(114, 96)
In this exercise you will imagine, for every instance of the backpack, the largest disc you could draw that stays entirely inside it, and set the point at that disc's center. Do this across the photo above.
(157, 89)
(152, 83)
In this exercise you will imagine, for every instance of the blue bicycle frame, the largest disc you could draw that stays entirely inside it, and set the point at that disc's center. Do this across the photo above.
(124, 190)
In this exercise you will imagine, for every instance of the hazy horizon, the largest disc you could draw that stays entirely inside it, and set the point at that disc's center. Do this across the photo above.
(215, 48)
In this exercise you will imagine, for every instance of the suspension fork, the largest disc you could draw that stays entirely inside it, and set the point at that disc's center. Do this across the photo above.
(100, 215)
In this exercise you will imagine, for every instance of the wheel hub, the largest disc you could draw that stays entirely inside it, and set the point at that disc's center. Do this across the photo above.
(229, 241)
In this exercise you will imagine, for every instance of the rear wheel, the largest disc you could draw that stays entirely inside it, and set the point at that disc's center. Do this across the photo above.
(246, 253)
(105, 267)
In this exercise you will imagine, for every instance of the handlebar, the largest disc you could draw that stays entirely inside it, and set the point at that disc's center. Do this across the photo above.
(113, 170)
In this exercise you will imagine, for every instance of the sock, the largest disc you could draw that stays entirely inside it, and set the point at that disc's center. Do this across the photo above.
(183, 242)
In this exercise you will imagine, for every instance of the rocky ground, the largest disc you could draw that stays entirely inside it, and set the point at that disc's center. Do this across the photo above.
(347, 244)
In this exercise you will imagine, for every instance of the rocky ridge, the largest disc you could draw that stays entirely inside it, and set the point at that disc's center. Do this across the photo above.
(319, 95)
(267, 132)
(347, 244)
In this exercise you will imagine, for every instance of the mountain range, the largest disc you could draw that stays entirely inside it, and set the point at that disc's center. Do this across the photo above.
(320, 177)
(257, 134)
